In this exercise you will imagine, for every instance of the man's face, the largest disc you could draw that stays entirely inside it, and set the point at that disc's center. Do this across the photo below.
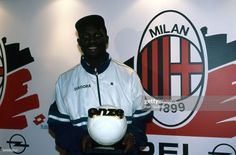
(93, 42)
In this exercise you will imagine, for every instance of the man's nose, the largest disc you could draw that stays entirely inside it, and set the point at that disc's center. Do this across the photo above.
(92, 39)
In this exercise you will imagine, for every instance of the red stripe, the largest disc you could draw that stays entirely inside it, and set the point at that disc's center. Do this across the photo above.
(166, 66)
(155, 67)
(185, 58)
(144, 69)
(1, 71)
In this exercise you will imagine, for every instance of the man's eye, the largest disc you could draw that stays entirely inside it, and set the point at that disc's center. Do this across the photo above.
(85, 36)
(98, 35)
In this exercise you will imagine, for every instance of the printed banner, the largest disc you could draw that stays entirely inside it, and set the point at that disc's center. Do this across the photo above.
(185, 56)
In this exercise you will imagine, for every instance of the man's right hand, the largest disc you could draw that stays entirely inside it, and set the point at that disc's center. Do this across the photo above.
(87, 143)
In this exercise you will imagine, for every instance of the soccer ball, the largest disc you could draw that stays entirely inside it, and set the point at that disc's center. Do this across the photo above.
(106, 124)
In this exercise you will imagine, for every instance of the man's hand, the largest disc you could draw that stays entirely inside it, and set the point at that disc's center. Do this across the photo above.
(128, 142)
(86, 143)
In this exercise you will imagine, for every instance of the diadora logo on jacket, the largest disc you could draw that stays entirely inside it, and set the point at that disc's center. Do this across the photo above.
(82, 86)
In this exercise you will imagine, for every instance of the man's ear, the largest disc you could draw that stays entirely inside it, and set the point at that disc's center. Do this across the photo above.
(78, 41)
(107, 39)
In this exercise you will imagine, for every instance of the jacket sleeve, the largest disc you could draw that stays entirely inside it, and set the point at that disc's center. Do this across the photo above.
(142, 114)
(66, 135)
(138, 129)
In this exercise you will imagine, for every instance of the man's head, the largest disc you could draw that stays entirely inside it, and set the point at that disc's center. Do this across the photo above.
(93, 37)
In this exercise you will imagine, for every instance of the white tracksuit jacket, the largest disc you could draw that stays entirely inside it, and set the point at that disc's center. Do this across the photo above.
(82, 88)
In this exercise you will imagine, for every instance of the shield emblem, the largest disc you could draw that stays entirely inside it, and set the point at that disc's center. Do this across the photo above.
(171, 66)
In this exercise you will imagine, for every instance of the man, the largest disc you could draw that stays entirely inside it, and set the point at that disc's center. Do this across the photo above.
(96, 81)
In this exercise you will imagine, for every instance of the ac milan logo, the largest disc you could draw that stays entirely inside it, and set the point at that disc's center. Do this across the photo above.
(171, 65)
(188, 77)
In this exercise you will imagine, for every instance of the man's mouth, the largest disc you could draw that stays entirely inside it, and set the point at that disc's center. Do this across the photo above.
(92, 48)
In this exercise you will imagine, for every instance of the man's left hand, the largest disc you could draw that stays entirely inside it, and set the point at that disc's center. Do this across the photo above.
(128, 142)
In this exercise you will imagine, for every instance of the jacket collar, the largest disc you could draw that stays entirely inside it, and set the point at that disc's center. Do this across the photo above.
(93, 70)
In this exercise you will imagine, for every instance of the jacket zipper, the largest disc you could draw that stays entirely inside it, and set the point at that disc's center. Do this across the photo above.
(98, 89)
